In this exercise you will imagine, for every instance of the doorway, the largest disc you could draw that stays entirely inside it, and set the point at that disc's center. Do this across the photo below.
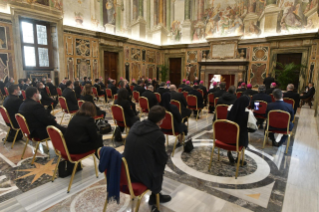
(175, 69)
(285, 59)
(110, 65)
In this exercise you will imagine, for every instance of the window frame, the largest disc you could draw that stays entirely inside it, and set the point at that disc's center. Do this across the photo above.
(36, 45)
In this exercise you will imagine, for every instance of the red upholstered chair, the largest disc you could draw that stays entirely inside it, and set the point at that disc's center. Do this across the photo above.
(272, 98)
(119, 118)
(95, 93)
(238, 94)
(185, 93)
(158, 97)
(47, 89)
(59, 91)
(115, 96)
(7, 120)
(290, 101)
(210, 101)
(221, 111)
(80, 102)
(192, 104)
(23, 95)
(226, 136)
(216, 100)
(261, 113)
(278, 119)
(145, 108)
(135, 190)
(6, 91)
(26, 132)
(61, 150)
(65, 108)
(81, 87)
(136, 96)
(168, 129)
(131, 87)
(201, 92)
(109, 93)
(180, 90)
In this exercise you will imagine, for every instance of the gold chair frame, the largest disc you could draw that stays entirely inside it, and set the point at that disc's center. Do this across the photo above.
(220, 105)
(148, 105)
(267, 129)
(208, 103)
(69, 158)
(26, 143)
(180, 111)
(238, 93)
(107, 96)
(237, 146)
(17, 130)
(190, 95)
(127, 129)
(139, 95)
(99, 97)
(67, 107)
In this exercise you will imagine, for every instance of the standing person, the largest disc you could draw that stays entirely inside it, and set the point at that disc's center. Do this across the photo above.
(292, 95)
(82, 134)
(70, 96)
(239, 113)
(43, 80)
(180, 97)
(149, 94)
(87, 96)
(26, 84)
(268, 80)
(146, 155)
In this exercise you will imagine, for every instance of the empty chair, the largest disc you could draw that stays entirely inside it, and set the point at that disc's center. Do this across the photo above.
(65, 108)
(136, 96)
(221, 111)
(6, 118)
(192, 104)
(145, 108)
(59, 91)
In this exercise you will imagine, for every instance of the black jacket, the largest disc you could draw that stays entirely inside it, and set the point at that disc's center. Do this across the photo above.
(71, 99)
(130, 116)
(25, 86)
(310, 93)
(227, 99)
(270, 90)
(9, 84)
(180, 97)
(260, 96)
(241, 90)
(45, 100)
(294, 96)
(213, 90)
(113, 88)
(182, 85)
(152, 100)
(162, 90)
(89, 98)
(146, 155)
(187, 88)
(52, 88)
(37, 118)
(99, 90)
(219, 93)
(62, 86)
(78, 91)
(139, 89)
(267, 81)
(250, 92)
(81, 135)
(199, 97)
(102, 85)
(12, 104)
(204, 89)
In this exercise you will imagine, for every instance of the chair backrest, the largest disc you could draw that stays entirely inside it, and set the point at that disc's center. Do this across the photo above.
(278, 119)
(5, 115)
(6, 90)
(238, 94)
(168, 123)
(48, 90)
(59, 91)
(115, 96)
(185, 93)
(132, 87)
(144, 104)
(180, 90)
(290, 101)
(136, 96)
(201, 92)
(94, 91)
(216, 100)
(177, 104)
(80, 103)
(23, 125)
(272, 97)
(158, 97)
(23, 95)
(109, 93)
(81, 87)
(262, 108)
(210, 97)
(192, 102)
(118, 115)
(226, 131)
(63, 104)
(221, 111)
(58, 142)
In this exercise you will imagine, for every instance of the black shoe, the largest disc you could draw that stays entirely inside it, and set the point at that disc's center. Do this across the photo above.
(154, 209)
(245, 163)
(230, 157)
(274, 143)
(163, 199)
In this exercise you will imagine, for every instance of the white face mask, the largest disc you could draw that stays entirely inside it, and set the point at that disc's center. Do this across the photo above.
(40, 97)
(19, 94)
(13, 81)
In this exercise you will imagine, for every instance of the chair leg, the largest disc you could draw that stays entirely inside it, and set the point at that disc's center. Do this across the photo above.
(56, 168)
(176, 140)
(265, 138)
(25, 147)
(35, 152)
(197, 115)
(62, 118)
(238, 161)
(166, 141)
(158, 201)
(97, 175)
(15, 137)
(6, 137)
(105, 204)
(138, 204)
(243, 157)
(218, 154)
(288, 143)
(46, 141)
(211, 158)
(73, 172)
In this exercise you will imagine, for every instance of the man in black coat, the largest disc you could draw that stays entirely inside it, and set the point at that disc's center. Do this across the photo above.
(43, 80)
(183, 84)
(101, 83)
(187, 87)
(63, 85)
(70, 96)
(162, 89)
(273, 86)
(218, 93)
(139, 87)
(52, 88)
(98, 88)
(242, 87)
(180, 97)
(10, 82)
(12, 104)
(21, 84)
(26, 84)
(292, 95)
(199, 98)
(228, 98)
(250, 91)
(310, 92)
(214, 89)
(261, 96)
(46, 100)
(268, 80)
(204, 89)
(113, 87)
(146, 155)
(36, 116)
(149, 94)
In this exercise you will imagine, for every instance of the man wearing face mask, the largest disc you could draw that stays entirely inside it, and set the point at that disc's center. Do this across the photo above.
(10, 82)
(46, 100)
(70, 96)
(12, 104)
(36, 116)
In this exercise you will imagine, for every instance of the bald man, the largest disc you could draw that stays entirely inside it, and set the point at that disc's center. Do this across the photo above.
(149, 94)
(292, 95)
(180, 97)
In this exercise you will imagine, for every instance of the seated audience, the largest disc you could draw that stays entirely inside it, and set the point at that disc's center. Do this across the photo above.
(180, 97)
(200, 100)
(279, 104)
(229, 97)
(214, 89)
(309, 92)
(87, 96)
(77, 89)
(139, 87)
(35, 82)
(98, 88)
(204, 89)
(242, 87)
(146, 155)
(43, 80)
(21, 83)
(149, 94)
(128, 107)
(187, 87)
(261, 96)
(267, 81)
(250, 91)
(63, 85)
(36, 116)
(162, 88)
(82, 134)
(239, 113)
(12, 104)
(52, 88)
(272, 88)
(113, 87)
(70, 96)
(101, 83)
(10, 82)
(46, 100)
(292, 95)
(218, 93)
(183, 84)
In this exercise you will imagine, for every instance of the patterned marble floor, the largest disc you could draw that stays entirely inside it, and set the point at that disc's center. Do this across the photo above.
(261, 185)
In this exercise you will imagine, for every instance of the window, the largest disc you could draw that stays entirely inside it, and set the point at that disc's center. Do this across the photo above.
(36, 45)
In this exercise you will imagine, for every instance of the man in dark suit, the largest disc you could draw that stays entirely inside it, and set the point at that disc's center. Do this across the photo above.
(183, 84)
(310, 92)
(133, 82)
(162, 89)
(98, 88)
(200, 100)
(187, 87)
(228, 98)
(12, 104)
(261, 96)
(43, 80)
(63, 85)
(70, 96)
(139, 87)
(268, 80)
(52, 88)
(180, 97)
(21, 84)
(219, 91)
(102, 84)
(292, 95)
(196, 80)
(149, 94)
(214, 89)
(84, 81)
(204, 89)
(46, 100)
(113, 87)
(250, 91)
(242, 87)
(10, 82)
(26, 84)
(273, 86)
(36, 116)
(279, 104)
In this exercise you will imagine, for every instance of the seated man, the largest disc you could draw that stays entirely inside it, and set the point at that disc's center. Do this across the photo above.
(45, 99)
(149, 94)
(187, 87)
(113, 87)
(180, 97)
(263, 97)
(12, 104)
(162, 88)
(98, 88)
(218, 93)
(10, 82)
(272, 88)
(139, 87)
(146, 155)
(308, 95)
(292, 95)
(229, 97)
(26, 84)
(183, 84)
(52, 88)
(101, 83)
(249, 91)
(214, 89)
(279, 104)
(63, 85)
(21, 84)
(200, 99)
(70, 96)
(204, 89)
(242, 87)
(36, 116)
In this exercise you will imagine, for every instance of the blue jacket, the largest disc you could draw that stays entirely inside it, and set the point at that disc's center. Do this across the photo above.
(281, 105)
